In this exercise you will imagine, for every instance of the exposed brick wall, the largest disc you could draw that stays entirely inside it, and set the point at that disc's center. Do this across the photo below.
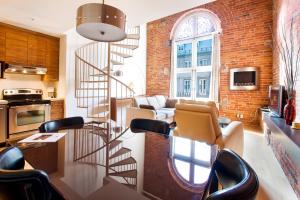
(245, 41)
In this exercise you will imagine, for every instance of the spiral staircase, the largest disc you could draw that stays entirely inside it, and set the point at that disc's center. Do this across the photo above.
(96, 84)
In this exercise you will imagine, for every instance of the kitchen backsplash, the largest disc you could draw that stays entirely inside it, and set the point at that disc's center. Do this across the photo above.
(24, 81)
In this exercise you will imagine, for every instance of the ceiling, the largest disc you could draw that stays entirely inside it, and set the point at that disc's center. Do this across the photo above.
(55, 17)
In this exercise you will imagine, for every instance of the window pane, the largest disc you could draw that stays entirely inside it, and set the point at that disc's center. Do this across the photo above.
(184, 55)
(204, 25)
(200, 174)
(182, 146)
(184, 83)
(204, 52)
(203, 84)
(186, 29)
(202, 151)
(183, 168)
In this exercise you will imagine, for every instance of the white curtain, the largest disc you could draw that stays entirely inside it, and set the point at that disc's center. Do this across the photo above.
(216, 65)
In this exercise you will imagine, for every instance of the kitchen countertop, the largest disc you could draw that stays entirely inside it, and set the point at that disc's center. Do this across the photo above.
(55, 99)
(3, 102)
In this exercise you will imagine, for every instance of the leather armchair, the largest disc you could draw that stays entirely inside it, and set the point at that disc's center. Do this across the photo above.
(199, 121)
(17, 183)
(236, 178)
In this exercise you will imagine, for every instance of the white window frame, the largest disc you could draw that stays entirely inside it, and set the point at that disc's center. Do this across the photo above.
(195, 68)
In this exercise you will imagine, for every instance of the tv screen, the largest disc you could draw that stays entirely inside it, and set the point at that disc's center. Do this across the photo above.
(276, 95)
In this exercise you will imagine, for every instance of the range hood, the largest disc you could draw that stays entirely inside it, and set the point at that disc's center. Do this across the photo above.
(21, 69)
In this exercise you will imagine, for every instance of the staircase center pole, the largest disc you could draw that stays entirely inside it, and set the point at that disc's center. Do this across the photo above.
(109, 101)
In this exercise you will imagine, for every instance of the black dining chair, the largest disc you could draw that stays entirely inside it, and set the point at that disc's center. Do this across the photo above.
(157, 126)
(231, 178)
(19, 184)
(61, 124)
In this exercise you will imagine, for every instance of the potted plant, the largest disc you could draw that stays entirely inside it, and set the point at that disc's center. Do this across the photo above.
(289, 51)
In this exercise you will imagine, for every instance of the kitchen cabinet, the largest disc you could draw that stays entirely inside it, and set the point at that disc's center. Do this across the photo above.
(2, 43)
(52, 60)
(16, 47)
(36, 51)
(24, 47)
(57, 109)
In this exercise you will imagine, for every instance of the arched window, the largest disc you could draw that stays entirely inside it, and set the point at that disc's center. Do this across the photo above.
(195, 71)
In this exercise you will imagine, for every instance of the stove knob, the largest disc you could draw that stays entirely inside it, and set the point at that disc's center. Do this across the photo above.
(5, 92)
(11, 92)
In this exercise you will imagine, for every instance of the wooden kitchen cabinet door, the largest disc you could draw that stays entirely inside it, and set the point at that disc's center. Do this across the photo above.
(2, 43)
(16, 47)
(52, 60)
(36, 51)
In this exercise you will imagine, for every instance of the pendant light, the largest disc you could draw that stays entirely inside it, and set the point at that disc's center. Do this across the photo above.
(101, 22)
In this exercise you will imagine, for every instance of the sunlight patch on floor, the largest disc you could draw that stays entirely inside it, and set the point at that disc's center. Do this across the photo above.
(273, 183)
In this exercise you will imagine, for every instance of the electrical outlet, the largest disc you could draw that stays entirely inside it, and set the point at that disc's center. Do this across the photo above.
(241, 116)
(238, 115)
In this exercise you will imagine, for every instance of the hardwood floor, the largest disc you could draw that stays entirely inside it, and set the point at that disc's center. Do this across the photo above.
(273, 183)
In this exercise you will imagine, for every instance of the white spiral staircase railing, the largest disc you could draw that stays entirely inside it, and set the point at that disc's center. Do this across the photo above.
(95, 86)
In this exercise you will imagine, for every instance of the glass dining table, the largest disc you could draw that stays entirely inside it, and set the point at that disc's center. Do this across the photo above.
(82, 165)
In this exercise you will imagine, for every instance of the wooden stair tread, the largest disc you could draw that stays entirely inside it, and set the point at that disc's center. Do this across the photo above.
(99, 97)
(128, 174)
(114, 144)
(98, 75)
(133, 36)
(98, 119)
(114, 62)
(95, 81)
(126, 161)
(91, 89)
(123, 55)
(120, 152)
(126, 46)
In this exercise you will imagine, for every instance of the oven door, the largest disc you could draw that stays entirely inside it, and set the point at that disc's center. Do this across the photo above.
(27, 118)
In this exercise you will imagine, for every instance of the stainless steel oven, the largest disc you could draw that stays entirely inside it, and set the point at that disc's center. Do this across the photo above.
(27, 110)
(27, 117)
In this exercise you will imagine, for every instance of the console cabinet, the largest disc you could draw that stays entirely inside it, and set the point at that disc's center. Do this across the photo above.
(57, 109)
(24, 47)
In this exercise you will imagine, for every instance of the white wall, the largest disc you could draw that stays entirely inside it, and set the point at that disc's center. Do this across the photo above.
(71, 42)
(12, 81)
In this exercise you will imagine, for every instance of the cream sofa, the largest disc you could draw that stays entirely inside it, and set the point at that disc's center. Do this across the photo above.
(152, 107)
(199, 121)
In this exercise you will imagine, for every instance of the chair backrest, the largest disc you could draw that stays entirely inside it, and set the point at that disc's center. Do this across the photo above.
(17, 183)
(204, 103)
(61, 124)
(197, 122)
(236, 178)
(143, 125)
(11, 159)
